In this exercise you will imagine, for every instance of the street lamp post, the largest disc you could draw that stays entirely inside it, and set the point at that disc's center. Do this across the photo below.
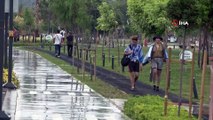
(9, 84)
(5, 40)
(3, 116)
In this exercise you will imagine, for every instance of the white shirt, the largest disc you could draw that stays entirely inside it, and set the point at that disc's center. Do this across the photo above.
(62, 32)
(58, 39)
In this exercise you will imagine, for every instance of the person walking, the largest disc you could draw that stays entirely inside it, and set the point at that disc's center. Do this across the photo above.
(135, 53)
(57, 39)
(69, 44)
(157, 54)
(62, 32)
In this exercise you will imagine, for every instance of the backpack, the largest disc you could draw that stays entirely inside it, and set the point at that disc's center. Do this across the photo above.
(126, 60)
(147, 58)
(163, 51)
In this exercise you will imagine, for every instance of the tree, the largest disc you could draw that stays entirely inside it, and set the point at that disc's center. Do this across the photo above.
(198, 14)
(107, 20)
(45, 16)
(71, 14)
(19, 22)
(28, 20)
(148, 16)
(120, 9)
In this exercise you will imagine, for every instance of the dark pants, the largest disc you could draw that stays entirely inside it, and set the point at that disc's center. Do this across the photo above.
(69, 50)
(134, 66)
(57, 50)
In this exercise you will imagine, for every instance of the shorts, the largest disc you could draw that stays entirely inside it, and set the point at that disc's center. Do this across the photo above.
(157, 63)
(134, 66)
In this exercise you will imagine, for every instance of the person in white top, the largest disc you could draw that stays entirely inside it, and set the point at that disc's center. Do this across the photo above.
(62, 32)
(57, 39)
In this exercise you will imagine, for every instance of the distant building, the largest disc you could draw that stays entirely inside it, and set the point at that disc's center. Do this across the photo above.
(27, 3)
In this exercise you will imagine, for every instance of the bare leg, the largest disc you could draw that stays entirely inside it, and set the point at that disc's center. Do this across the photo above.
(132, 79)
(154, 76)
(158, 77)
(136, 76)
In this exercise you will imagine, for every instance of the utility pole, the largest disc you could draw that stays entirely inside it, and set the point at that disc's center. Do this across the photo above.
(3, 116)
(5, 40)
(9, 84)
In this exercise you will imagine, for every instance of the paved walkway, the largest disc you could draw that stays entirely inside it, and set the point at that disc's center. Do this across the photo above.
(48, 93)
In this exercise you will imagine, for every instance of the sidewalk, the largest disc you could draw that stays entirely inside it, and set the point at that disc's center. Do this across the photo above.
(48, 93)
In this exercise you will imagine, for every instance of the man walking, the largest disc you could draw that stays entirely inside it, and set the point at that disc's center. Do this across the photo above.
(57, 39)
(157, 54)
(69, 44)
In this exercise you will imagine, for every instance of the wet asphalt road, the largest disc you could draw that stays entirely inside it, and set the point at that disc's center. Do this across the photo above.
(48, 93)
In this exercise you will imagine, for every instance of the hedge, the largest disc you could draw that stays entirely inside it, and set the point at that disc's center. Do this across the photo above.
(152, 108)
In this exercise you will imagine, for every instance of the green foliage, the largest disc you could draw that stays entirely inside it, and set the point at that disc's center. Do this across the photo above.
(120, 9)
(28, 19)
(198, 13)
(107, 20)
(148, 16)
(151, 108)
(71, 13)
(18, 22)
(182, 10)
(205, 12)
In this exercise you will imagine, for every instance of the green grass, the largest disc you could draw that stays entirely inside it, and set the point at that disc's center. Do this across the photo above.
(151, 108)
(99, 86)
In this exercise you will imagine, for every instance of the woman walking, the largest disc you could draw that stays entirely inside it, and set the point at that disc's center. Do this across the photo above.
(135, 53)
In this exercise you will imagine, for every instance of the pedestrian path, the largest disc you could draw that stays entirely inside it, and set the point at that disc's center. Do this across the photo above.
(48, 93)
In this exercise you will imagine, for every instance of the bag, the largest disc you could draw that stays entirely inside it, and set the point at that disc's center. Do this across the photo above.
(125, 60)
(146, 59)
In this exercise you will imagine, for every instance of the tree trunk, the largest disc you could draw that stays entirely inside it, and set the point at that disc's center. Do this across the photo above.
(118, 44)
(205, 43)
(103, 43)
(109, 46)
(199, 48)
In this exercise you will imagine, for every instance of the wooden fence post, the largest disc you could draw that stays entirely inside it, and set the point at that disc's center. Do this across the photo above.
(191, 85)
(167, 82)
(211, 92)
(202, 85)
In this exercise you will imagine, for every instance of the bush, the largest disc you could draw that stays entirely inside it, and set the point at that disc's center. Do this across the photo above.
(14, 78)
(152, 108)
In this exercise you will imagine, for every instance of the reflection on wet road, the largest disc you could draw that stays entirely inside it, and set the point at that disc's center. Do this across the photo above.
(48, 93)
